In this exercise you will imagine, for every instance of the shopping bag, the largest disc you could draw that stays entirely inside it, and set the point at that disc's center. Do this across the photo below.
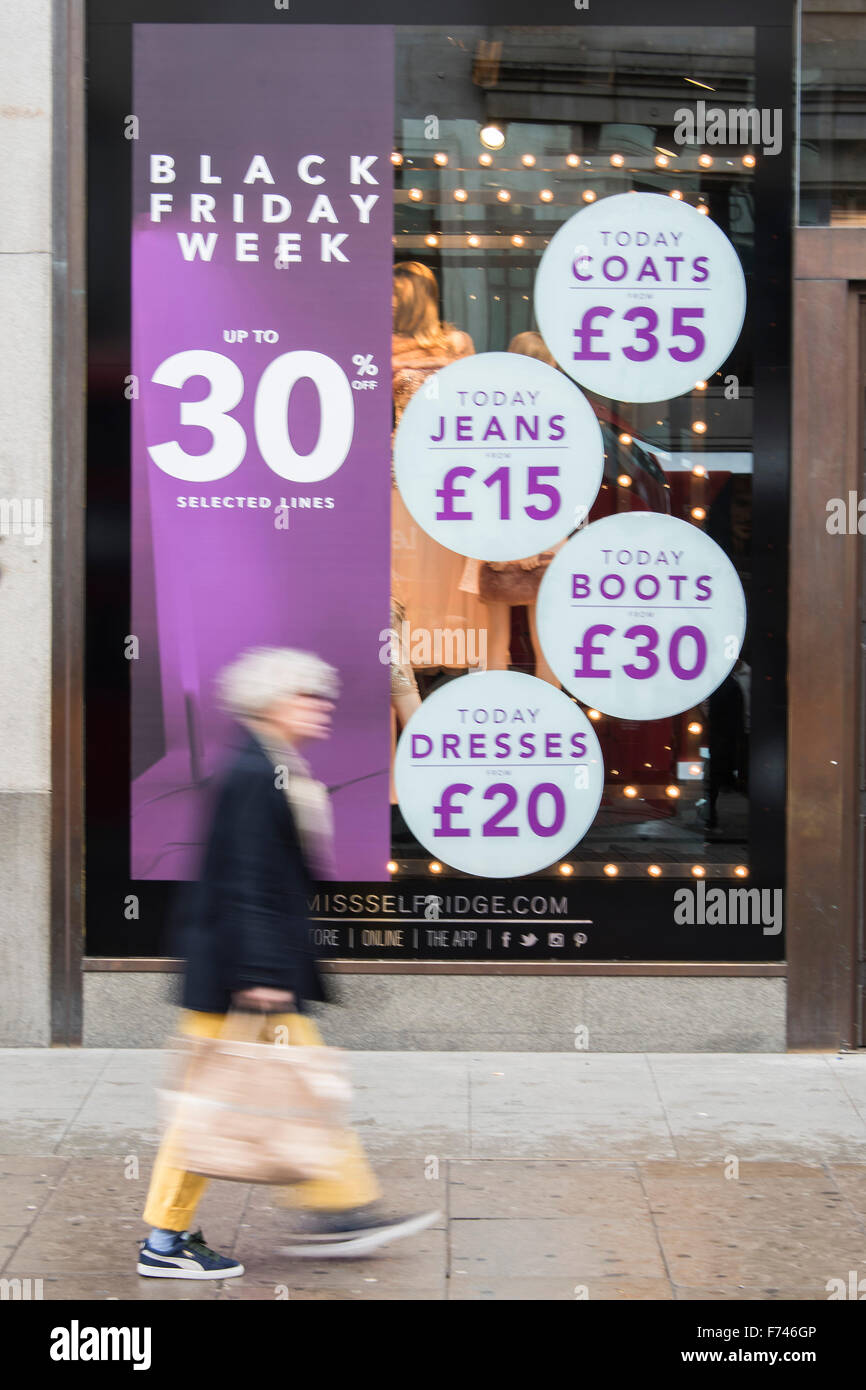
(257, 1112)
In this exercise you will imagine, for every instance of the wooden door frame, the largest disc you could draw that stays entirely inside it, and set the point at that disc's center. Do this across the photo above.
(826, 678)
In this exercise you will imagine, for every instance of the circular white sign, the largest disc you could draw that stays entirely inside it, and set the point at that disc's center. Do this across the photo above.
(641, 615)
(499, 774)
(639, 296)
(498, 456)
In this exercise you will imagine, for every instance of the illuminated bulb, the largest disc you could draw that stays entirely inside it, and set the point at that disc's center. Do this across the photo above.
(611, 870)
(703, 209)
(695, 769)
(566, 869)
(699, 513)
(629, 791)
(672, 792)
(624, 480)
(435, 867)
(431, 240)
(486, 160)
(654, 870)
(741, 871)
(617, 160)
(528, 160)
(699, 471)
(416, 195)
(749, 161)
(546, 195)
(705, 161)
(700, 386)
(695, 727)
(625, 439)
(675, 193)
(572, 160)
(698, 870)
(391, 866)
(588, 195)
(460, 195)
(396, 158)
(492, 137)
(504, 196)
(699, 426)
(474, 240)
(517, 241)
(594, 713)
(440, 159)
(662, 161)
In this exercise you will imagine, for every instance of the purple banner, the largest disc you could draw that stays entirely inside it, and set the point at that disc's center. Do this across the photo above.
(261, 303)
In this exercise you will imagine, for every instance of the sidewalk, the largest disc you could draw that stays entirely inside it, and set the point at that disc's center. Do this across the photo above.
(560, 1176)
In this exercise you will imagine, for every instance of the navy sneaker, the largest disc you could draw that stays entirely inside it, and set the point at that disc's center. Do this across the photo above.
(351, 1234)
(188, 1258)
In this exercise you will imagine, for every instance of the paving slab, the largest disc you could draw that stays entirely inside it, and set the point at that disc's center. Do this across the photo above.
(606, 1288)
(696, 1256)
(561, 1134)
(241, 1289)
(126, 1287)
(576, 1249)
(491, 1188)
(802, 1199)
(113, 1185)
(850, 1178)
(740, 1294)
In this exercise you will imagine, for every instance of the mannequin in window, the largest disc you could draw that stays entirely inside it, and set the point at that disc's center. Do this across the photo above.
(502, 585)
(425, 577)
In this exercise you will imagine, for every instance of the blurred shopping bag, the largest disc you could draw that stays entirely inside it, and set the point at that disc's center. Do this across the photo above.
(254, 1111)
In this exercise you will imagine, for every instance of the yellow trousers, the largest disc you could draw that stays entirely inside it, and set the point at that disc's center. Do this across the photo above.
(174, 1194)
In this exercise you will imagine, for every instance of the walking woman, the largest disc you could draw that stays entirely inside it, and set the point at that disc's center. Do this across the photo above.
(246, 943)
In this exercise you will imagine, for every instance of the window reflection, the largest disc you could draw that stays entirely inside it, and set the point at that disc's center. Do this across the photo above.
(832, 189)
(502, 135)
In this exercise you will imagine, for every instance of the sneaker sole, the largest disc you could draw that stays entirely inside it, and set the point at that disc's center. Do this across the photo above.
(357, 1246)
(173, 1273)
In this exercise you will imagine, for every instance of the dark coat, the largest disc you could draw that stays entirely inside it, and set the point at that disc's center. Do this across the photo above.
(246, 921)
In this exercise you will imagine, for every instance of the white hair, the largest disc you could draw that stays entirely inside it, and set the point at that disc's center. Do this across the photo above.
(262, 676)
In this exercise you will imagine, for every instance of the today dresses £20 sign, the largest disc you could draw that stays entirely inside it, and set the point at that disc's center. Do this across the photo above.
(499, 774)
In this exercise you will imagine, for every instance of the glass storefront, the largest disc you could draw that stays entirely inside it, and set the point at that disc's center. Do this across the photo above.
(501, 135)
(224, 535)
